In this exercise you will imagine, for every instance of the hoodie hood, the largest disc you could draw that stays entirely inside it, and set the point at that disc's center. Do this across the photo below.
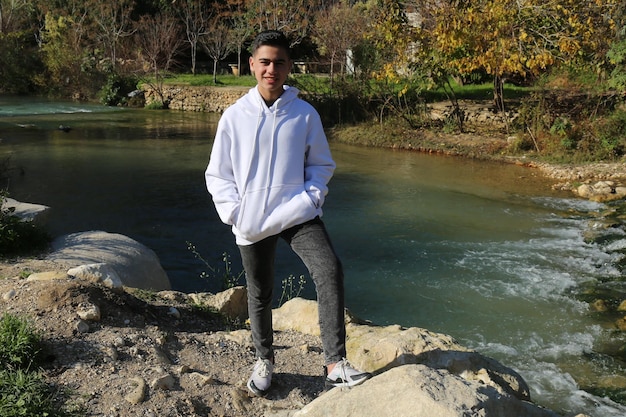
(253, 102)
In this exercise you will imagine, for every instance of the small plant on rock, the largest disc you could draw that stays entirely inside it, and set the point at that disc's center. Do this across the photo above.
(227, 276)
(291, 289)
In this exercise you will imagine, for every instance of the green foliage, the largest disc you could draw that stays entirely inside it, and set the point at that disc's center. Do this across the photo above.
(18, 63)
(611, 135)
(25, 394)
(18, 236)
(350, 100)
(115, 91)
(617, 58)
(561, 126)
(155, 105)
(573, 117)
(19, 343)
(23, 390)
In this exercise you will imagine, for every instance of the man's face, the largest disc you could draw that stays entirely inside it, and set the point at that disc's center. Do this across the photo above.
(270, 66)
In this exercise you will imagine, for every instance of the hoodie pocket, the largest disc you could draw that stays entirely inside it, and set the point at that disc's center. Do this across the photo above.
(255, 223)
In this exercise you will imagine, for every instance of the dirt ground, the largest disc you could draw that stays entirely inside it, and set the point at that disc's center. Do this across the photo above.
(188, 358)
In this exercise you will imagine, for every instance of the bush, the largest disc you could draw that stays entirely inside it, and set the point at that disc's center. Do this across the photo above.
(115, 91)
(18, 236)
(611, 134)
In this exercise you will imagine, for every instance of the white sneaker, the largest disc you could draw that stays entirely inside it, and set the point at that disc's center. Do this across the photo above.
(344, 375)
(261, 378)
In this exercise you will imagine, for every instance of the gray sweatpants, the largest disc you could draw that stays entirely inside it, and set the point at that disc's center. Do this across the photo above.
(310, 241)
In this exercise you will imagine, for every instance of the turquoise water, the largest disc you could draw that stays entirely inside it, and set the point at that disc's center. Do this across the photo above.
(485, 252)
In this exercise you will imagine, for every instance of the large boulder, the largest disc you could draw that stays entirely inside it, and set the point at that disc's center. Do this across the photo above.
(420, 391)
(136, 265)
(377, 349)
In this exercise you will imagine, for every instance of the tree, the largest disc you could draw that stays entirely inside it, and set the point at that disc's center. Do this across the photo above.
(13, 13)
(292, 17)
(113, 19)
(64, 53)
(241, 29)
(217, 42)
(195, 14)
(338, 30)
(18, 62)
(18, 54)
(523, 37)
(159, 39)
(391, 57)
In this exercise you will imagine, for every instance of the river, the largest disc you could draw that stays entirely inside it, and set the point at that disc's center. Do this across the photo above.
(483, 251)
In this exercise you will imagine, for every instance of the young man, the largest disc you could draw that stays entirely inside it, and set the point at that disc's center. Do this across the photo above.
(268, 175)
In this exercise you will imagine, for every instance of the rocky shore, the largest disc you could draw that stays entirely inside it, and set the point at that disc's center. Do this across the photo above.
(117, 351)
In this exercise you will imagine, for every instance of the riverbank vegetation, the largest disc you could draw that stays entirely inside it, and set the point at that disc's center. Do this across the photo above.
(555, 72)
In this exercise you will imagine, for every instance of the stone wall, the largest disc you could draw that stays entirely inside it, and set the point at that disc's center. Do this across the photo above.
(201, 98)
(217, 99)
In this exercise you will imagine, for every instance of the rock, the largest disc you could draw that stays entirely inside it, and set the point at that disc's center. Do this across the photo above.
(81, 326)
(9, 294)
(89, 312)
(97, 273)
(170, 295)
(202, 380)
(138, 394)
(195, 98)
(297, 314)
(420, 391)
(136, 265)
(233, 302)
(36, 213)
(622, 306)
(174, 312)
(598, 306)
(240, 400)
(163, 382)
(161, 356)
(601, 191)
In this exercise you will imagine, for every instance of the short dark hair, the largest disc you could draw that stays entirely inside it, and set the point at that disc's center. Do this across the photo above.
(271, 38)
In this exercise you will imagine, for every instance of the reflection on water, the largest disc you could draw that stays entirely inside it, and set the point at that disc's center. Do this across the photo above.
(482, 251)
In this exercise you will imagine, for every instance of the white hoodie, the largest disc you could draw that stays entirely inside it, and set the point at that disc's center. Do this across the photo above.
(269, 167)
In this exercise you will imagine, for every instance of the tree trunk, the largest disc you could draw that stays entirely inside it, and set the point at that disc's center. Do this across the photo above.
(498, 98)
